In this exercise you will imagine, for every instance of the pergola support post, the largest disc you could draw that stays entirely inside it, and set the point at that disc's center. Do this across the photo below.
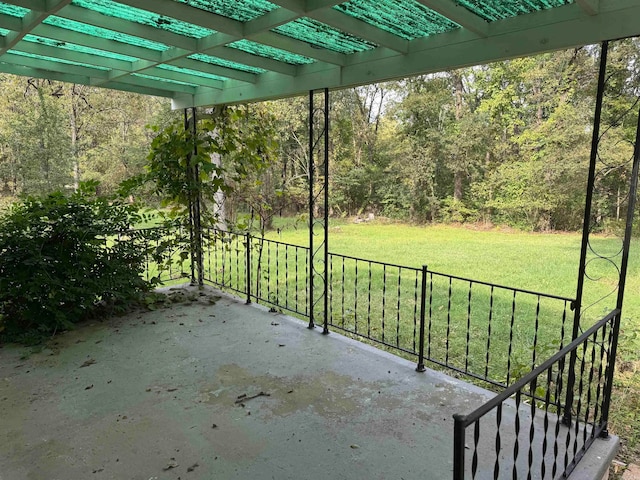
(318, 262)
(195, 200)
(586, 226)
(589, 223)
(628, 233)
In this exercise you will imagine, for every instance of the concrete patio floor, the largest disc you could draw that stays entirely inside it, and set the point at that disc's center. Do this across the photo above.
(160, 395)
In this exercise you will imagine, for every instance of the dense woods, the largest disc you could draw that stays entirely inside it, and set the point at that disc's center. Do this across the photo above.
(504, 143)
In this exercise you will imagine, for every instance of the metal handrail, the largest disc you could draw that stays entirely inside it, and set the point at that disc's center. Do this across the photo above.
(464, 421)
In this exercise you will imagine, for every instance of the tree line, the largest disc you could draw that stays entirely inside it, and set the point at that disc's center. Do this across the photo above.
(505, 143)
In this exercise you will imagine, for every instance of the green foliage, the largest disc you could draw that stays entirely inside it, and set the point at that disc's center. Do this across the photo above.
(184, 165)
(61, 259)
(455, 211)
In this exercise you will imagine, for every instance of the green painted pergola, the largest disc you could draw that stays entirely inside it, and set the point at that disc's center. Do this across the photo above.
(206, 52)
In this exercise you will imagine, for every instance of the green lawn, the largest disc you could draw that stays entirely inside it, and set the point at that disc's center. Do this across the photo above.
(546, 263)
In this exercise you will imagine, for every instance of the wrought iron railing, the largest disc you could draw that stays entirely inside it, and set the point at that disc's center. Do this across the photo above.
(267, 271)
(376, 301)
(491, 332)
(454, 322)
(523, 438)
(509, 338)
(166, 251)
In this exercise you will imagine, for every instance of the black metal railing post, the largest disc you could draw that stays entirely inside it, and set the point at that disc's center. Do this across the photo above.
(191, 229)
(311, 283)
(197, 204)
(327, 285)
(459, 430)
(633, 192)
(423, 308)
(586, 227)
(248, 267)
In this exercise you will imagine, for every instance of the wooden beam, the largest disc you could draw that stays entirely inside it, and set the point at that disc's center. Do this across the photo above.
(458, 14)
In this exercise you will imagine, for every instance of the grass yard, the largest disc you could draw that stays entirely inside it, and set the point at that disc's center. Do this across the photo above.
(541, 262)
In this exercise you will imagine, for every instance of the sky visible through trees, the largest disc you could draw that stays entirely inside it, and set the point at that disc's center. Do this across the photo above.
(506, 143)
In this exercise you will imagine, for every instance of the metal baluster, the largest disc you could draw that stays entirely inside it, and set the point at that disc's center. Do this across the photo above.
(248, 266)
(307, 252)
(589, 390)
(516, 445)
(559, 414)
(596, 412)
(466, 358)
(277, 302)
(579, 406)
(545, 441)
(286, 275)
(535, 334)
(476, 439)
(398, 310)
(446, 361)
(496, 465)
(532, 430)
(562, 328)
(296, 285)
(415, 309)
(268, 272)
(216, 242)
(355, 302)
(369, 305)
(486, 364)
(343, 282)
(330, 291)
(513, 318)
(384, 296)
(430, 312)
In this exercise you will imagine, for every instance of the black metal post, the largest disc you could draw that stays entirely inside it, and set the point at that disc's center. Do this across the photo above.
(586, 226)
(325, 330)
(423, 307)
(631, 207)
(197, 199)
(248, 267)
(191, 229)
(458, 446)
(311, 212)
(319, 254)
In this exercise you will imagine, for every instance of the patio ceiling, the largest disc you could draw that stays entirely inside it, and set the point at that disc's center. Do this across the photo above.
(205, 52)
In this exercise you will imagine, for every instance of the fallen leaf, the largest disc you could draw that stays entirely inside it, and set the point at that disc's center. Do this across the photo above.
(91, 361)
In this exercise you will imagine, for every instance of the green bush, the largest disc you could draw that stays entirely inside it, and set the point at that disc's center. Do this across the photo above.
(61, 260)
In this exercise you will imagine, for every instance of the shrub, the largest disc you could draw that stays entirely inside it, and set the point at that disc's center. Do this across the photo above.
(61, 259)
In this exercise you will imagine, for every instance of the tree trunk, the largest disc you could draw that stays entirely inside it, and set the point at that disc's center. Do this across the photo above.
(73, 116)
(457, 185)
(219, 198)
(459, 171)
